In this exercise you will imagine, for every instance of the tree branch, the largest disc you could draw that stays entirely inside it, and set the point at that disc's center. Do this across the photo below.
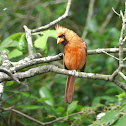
(102, 50)
(121, 40)
(37, 121)
(121, 44)
(122, 75)
(55, 21)
(119, 84)
(29, 40)
(51, 68)
(29, 62)
(105, 23)
(2, 85)
(89, 16)
(9, 74)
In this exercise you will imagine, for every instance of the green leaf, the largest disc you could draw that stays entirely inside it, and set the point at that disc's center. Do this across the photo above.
(14, 53)
(26, 94)
(10, 83)
(30, 107)
(96, 123)
(11, 41)
(110, 117)
(30, 96)
(42, 99)
(41, 42)
(72, 107)
(22, 44)
(59, 110)
(52, 33)
(3, 49)
(16, 36)
(96, 101)
(121, 121)
(45, 93)
(124, 109)
(121, 95)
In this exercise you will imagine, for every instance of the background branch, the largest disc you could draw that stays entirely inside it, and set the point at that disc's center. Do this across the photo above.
(55, 21)
(89, 16)
(39, 122)
(105, 23)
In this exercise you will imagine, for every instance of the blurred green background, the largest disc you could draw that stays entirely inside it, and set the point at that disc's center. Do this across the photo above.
(44, 100)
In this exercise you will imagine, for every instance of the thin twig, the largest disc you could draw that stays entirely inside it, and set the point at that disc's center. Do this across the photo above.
(29, 40)
(106, 22)
(110, 55)
(61, 118)
(121, 51)
(27, 116)
(121, 64)
(119, 84)
(9, 74)
(115, 12)
(89, 16)
(39, 122)
(107, 50)
(122, 75)
(2, 116)
(10, 96)
(55, 21)
(121, 13)
(124, 59)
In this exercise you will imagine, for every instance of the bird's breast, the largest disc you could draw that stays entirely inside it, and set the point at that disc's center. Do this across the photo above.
(75, 57)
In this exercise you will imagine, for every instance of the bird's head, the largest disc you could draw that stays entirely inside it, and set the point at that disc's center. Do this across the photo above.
(61, 34)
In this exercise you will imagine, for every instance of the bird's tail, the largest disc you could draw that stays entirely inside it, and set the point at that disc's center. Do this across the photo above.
(69, 91)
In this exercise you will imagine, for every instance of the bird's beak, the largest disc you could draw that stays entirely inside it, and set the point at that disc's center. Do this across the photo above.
(59, 40)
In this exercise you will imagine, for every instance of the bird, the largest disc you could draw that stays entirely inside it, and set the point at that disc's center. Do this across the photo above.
(74, 58)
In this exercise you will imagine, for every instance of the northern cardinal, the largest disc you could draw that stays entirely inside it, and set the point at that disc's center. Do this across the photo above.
(75, 56)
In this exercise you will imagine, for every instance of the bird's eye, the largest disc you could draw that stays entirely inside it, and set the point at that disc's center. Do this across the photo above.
(62, 36)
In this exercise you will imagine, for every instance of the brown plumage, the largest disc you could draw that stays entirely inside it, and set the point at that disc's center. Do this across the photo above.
(75, 56)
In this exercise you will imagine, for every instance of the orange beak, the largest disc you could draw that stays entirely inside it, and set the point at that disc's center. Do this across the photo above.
(59, 40)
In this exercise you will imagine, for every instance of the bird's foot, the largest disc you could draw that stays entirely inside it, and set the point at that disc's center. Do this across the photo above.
(74, 71)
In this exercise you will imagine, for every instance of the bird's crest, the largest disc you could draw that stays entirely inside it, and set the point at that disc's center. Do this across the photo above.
(60, 30)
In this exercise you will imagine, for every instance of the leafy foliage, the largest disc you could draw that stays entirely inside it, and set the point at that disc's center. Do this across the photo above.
(45, 99)
(41, 42)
